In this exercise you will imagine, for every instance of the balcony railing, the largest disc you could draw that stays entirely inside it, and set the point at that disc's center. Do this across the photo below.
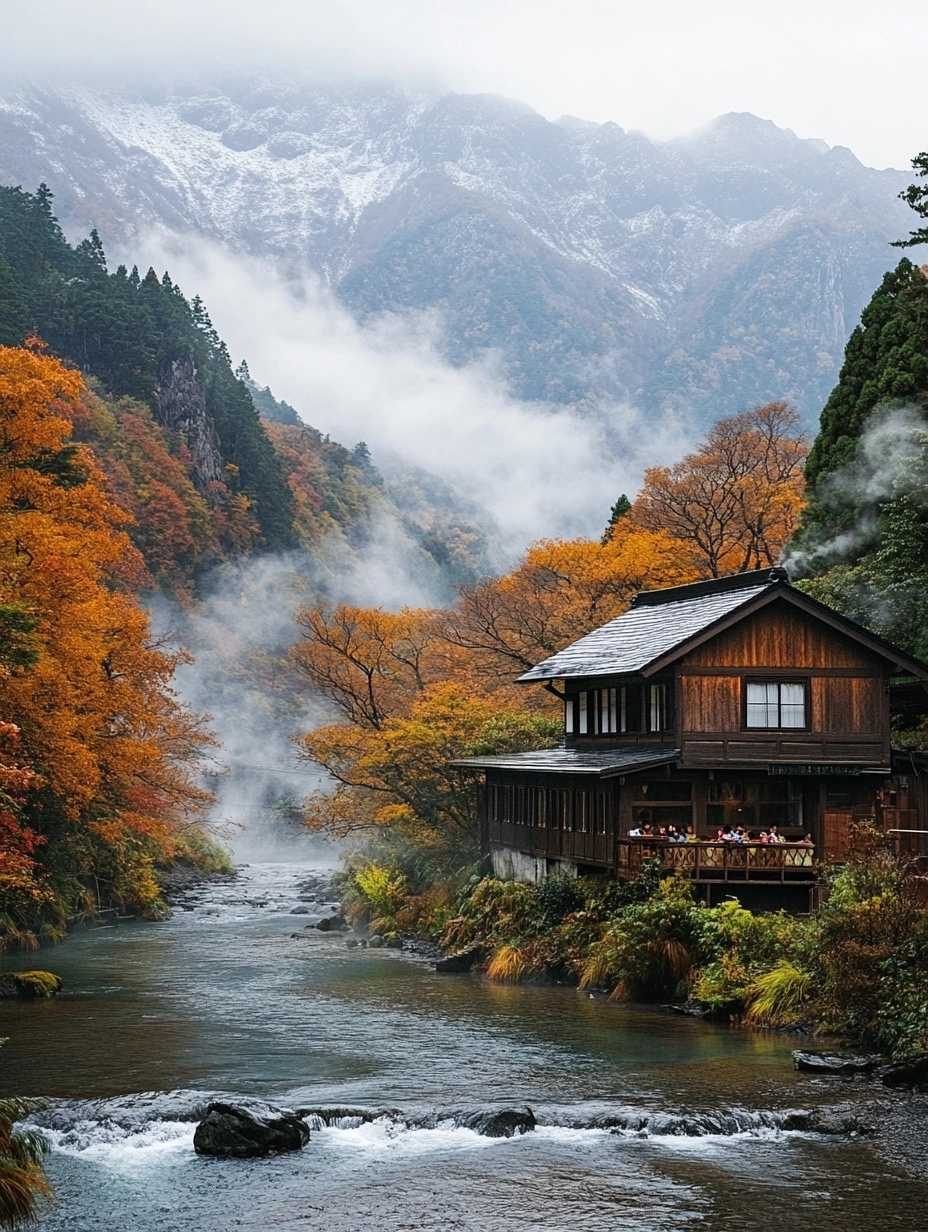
(770, 862)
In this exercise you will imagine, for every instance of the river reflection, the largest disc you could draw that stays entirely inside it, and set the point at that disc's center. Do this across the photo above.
(223, 999)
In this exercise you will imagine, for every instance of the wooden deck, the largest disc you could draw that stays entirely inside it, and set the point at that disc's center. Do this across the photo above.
(774, 864)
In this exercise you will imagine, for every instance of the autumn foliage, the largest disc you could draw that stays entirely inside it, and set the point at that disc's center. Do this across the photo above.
(735, 502)
(410, 691)
(93, 773)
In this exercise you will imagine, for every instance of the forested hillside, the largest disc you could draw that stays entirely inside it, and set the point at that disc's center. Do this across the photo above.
(175, 430)
(98, 759)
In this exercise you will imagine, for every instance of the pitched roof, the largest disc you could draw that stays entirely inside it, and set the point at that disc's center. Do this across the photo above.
(653, 626)
(561, 760)
(661, 624)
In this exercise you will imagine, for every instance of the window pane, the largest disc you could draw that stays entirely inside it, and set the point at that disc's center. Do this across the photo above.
(613, 718)
(792, 705)
(773, 703)
(623, 710)
(658, 715)
(762, 698)
(582, 727)
(568, 714)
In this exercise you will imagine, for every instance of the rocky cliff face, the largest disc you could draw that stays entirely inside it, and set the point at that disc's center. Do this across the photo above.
(703, 274)
(181, 408)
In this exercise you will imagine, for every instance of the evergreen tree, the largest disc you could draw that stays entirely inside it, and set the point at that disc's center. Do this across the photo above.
(622, 506)
(885, 365)
(916, 195)
(863, 542)
(128, 330)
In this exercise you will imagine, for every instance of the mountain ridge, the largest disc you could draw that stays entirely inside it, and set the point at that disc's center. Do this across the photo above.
(601, 266)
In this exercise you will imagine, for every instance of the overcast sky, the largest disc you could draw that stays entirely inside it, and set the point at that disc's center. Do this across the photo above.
(849, 72)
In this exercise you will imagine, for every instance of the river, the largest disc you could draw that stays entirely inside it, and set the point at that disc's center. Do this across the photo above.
(223, 999)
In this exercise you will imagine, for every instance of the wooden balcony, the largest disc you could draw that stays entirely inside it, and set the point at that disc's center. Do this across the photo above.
(773, 864)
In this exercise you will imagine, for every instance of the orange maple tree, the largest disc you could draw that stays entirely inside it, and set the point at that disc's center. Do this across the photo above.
(735, 501)
(99, 729)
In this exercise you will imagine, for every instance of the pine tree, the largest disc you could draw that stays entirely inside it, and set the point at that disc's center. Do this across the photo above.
(885, 364)
(916, 195)
(619, 509)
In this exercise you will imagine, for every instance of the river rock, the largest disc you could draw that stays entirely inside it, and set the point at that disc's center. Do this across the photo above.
(330, 923)
(300, 911)
(375, 942)
(243, 1133)
(461, 960)
(505, 1122)
(29, 984)
(832, 1063)
(910, 1072)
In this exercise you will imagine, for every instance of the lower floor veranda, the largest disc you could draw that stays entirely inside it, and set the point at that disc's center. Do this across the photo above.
(537, 823)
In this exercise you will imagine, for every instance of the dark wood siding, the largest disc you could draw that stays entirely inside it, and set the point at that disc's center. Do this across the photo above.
(848, 703)
(711, 703)
(780, 636)
(561, 817)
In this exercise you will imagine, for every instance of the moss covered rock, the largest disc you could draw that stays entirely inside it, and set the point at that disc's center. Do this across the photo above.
(29, 984)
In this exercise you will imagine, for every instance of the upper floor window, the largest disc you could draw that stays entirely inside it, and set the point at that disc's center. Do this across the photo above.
(776, 703)
(609, 712)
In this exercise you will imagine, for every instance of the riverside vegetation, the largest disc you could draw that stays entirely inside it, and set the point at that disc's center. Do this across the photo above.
(151, 464)
(857, 966)
(415, 689)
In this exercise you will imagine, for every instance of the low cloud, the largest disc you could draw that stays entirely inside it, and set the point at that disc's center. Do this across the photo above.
(533, 470)
(537, 471)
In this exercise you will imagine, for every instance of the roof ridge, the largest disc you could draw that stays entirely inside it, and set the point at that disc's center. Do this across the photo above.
(713, 586)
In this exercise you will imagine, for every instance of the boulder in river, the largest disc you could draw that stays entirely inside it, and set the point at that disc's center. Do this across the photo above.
(910, 1072)
(461, 960)
(832, 1063)
(505, 1122)
(243, 1133)
(29, 984)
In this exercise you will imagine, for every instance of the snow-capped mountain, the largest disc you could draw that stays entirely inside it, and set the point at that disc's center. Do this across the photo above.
(707, 273)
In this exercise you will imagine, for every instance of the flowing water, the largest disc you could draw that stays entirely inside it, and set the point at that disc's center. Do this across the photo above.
(646, 1121)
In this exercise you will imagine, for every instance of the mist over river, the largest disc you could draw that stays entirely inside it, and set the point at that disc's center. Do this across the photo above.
(646, 1121)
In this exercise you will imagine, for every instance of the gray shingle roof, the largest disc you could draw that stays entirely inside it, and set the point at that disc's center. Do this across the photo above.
(562, 760)
(641, 635)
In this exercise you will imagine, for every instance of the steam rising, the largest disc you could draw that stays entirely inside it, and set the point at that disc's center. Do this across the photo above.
(535, 471)
(889, 461)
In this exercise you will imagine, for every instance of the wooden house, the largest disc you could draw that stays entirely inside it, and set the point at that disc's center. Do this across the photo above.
(725, 707)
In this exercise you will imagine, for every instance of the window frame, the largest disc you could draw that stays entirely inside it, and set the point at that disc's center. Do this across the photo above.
(779, 681)
(609, 712)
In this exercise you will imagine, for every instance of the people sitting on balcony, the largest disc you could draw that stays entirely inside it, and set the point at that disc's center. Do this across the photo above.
(807, 840)
(690, 835)
(645, 831)
(774, 836)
